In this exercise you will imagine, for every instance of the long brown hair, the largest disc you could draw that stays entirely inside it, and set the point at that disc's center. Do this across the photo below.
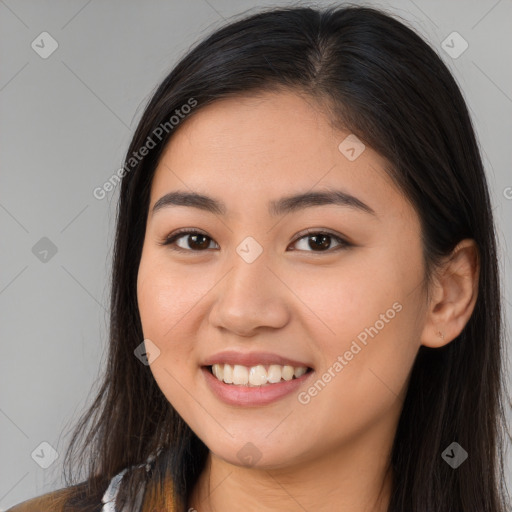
(384, 83)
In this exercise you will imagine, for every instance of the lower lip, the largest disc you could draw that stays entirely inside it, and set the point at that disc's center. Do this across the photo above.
(233, 394)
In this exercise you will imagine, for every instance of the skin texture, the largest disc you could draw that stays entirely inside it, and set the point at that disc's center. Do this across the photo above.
(296, 300)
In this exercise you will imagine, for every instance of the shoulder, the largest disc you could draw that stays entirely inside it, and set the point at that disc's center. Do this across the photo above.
(54, 501)
(49, 502)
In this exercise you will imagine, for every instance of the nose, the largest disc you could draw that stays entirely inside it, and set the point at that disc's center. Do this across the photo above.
(251, 297)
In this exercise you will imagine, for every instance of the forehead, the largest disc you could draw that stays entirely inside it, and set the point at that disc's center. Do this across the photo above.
(267, 146)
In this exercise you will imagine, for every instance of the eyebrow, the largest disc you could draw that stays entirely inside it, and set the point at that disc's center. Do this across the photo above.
(277, 207)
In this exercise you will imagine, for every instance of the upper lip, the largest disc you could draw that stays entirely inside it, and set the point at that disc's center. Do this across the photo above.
(251, 359)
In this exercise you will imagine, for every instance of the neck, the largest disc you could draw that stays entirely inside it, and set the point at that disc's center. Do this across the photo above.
(353, 478)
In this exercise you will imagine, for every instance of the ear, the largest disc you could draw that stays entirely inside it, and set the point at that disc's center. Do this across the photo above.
(454, 294)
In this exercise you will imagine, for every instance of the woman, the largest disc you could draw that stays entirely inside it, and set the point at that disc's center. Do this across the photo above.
(305, 306)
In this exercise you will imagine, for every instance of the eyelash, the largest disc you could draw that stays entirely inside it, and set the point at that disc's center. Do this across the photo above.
(171, 239)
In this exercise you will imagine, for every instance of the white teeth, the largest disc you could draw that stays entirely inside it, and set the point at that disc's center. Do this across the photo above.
(287, 373)
(227, 373)
(240, 374)
(258, 375)
(218, 371)
(274, 373)
(299, 371)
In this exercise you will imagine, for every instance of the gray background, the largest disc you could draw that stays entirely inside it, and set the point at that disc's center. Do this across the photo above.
(66, 122)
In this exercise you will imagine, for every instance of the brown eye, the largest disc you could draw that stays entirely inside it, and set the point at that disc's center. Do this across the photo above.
(322, 242)
(194, 241)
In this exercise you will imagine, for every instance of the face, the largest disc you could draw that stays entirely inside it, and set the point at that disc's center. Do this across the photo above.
(333, 287)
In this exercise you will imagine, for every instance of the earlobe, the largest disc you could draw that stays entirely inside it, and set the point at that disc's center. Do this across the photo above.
(454, 297)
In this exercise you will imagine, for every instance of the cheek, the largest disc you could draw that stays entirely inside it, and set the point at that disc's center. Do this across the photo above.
(166, 297)
(364, 377)
(343, 301)
(373, 311)
(159, 312)
(365, 371)
(171, 301)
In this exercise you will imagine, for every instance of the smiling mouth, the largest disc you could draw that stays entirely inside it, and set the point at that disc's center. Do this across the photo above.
(259, 375)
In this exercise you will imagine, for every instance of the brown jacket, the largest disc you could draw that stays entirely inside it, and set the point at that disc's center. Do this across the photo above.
(51, 501)
(54, 501)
